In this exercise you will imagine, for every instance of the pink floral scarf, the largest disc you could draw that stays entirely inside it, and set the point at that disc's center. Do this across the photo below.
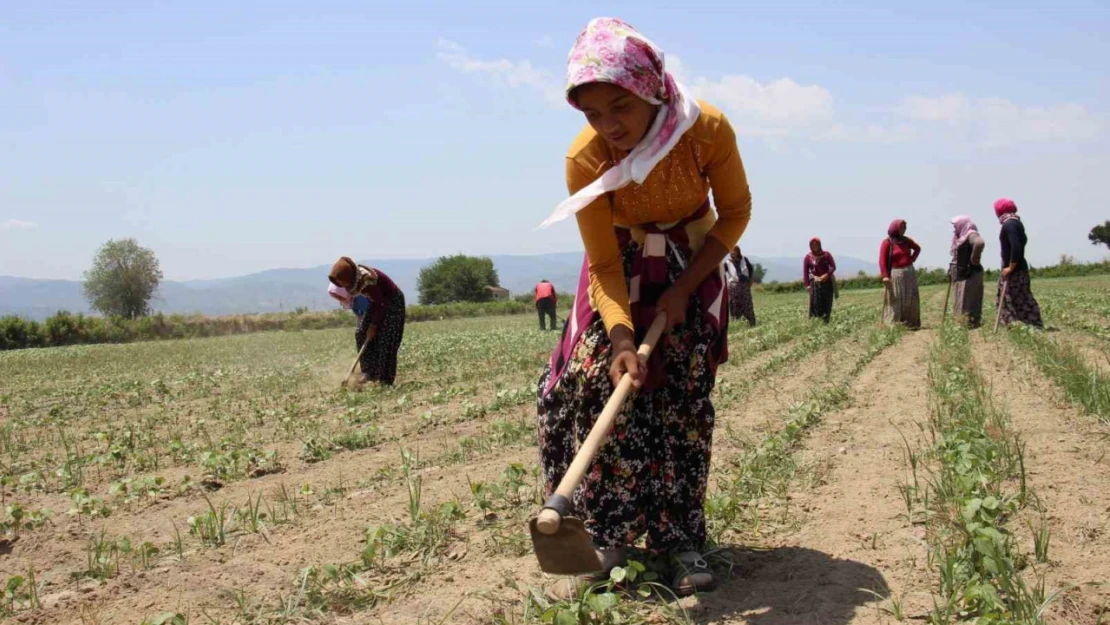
(611, 51)
(962, 227)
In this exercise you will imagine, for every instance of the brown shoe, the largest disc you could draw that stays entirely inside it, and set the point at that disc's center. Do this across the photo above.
(692, 574)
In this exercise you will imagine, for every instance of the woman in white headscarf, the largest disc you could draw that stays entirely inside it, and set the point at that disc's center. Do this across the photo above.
(740, 272)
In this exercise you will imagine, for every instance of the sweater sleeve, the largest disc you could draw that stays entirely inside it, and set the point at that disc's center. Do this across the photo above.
(731, 195)
(1017, 247)
(977, 246)
(832, 262)
(884, 251)
(608, 290)
(915, 250)
(807, 268)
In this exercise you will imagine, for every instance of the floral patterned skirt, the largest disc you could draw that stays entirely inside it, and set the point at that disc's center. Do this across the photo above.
(1020, 305)
(379, 361)
(740, 304)
(650, 477)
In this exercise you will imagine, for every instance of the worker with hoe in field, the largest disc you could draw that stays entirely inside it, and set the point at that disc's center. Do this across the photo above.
(739, 271)
(966, 272)
(897, 254)
(546, 301)
(1015, 292)
(381, 316)
(818, 275)
(639, 176)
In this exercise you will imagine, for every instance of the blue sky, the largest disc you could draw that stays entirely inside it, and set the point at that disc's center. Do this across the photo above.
(235, 137)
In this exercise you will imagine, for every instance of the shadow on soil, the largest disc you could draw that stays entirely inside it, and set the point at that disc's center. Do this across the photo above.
(791, 586)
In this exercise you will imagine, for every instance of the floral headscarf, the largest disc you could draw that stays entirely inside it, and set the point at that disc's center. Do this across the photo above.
(962, 227)
(611, 51)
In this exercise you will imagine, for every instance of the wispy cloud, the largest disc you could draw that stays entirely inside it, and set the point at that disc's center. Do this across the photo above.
(784, 109)
(511, 73)
(545, 41)
(997, 122)
(17, 224)
(778, 108)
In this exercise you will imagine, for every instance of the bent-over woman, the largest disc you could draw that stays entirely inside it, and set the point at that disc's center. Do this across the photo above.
(382, 322)
(640, 175)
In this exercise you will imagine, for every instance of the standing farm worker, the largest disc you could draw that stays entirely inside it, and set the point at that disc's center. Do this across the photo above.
(639, 176)
(1016, 299)
(966, 271)
(897, 254)
(381, 316)
(739, 271)
(818, 274)
(546, 301)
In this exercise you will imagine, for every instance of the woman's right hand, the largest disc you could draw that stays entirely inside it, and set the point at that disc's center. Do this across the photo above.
(625, 358)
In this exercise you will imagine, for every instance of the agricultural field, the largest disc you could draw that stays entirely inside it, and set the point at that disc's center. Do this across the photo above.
(861, 475)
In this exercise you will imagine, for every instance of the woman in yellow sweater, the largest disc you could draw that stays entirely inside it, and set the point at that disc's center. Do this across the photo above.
(639, 176)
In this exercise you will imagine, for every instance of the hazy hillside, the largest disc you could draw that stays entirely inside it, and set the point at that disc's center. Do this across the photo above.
(286, 289)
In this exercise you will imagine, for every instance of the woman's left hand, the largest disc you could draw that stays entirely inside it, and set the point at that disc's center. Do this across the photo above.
(673, 302)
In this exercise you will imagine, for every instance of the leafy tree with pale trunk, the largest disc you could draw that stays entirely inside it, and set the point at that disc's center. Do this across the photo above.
(122, 280)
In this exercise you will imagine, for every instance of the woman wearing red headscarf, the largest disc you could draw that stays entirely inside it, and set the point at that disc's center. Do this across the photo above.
(818, 274)
(897, 253)
(1015, 292)
(640, 176)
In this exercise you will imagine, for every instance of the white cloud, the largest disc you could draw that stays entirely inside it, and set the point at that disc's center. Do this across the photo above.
(998, 122)
(783, 109)
(511, 73)
(781, 102)
(17, 224)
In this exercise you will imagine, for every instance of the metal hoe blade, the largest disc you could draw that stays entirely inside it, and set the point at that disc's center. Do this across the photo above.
(569, 551)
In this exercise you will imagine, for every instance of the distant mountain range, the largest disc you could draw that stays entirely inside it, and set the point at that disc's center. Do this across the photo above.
(286, 289)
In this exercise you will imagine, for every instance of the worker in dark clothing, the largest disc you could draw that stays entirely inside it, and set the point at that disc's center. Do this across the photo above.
(1015, 295)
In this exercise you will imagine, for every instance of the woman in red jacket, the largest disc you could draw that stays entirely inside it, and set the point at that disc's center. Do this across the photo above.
(897, 254)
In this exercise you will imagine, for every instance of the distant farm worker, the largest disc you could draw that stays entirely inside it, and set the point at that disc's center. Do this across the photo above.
(739, 271)
(818, 274)
(546, 302)
(639, 176)
(897, 254)
(381, 316)
(1016, 299)
(966, 271)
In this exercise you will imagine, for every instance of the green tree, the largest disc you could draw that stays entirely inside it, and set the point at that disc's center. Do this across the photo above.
(1100, 234)
(123, 279)
(758, 272)
(457, 278)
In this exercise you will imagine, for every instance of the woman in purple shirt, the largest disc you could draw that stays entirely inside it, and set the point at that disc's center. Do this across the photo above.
(817, 273)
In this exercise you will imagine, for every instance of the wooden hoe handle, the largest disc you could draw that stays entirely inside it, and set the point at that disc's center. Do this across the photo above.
(559, 503)
(1001, 304)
